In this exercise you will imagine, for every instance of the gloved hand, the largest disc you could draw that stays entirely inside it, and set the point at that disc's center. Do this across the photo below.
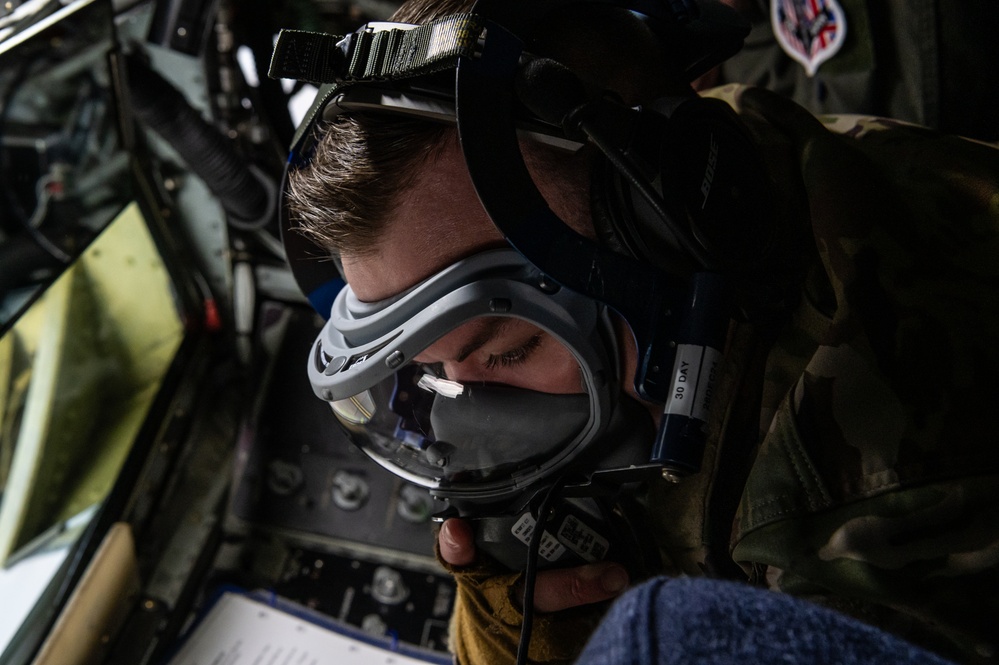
(485, 627)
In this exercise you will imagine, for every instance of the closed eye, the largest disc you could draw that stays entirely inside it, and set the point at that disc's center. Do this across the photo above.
(515, 356)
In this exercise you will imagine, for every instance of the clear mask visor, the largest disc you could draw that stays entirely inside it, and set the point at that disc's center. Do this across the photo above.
(480, 439)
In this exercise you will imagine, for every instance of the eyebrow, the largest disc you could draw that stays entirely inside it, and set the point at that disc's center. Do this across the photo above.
(489, 329)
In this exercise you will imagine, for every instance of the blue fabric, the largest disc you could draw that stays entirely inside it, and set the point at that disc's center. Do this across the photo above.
(694, 621)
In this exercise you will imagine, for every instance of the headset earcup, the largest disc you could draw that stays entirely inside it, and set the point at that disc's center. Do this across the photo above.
(715, 195)
(624, 223)
(606, 205)
(719, 174)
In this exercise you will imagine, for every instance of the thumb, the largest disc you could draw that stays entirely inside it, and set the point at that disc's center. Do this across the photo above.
(563, 588)
(456, 542)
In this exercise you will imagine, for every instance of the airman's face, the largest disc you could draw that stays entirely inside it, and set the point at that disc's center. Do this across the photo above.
(438, 222)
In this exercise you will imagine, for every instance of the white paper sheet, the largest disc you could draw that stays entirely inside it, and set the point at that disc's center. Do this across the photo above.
(240, 630)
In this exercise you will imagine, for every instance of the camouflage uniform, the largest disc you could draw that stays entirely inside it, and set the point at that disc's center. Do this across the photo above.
(875, 488)
(916, 60)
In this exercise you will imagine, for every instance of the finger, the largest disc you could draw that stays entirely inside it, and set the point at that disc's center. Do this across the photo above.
(457, 542)
(560, 589)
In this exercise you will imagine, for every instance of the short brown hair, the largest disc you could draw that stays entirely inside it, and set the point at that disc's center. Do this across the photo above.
(359, 167)
(363, 163)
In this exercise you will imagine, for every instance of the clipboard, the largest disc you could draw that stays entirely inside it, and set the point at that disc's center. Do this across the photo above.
(259, 628)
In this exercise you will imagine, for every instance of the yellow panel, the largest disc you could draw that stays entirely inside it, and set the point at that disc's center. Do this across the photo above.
(99, 604)
(133, 294)
(94, 350)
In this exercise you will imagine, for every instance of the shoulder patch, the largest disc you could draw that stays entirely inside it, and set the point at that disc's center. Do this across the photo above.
(810, 31)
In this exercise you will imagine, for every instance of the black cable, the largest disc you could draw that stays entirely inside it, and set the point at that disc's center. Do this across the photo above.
(531, 570)
(10, 197)
(555, 94)
(633, 175)
(243, 193)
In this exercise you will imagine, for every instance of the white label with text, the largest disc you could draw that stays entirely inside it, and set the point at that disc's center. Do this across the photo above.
(694, 375)
(583, 540)
(550, 548)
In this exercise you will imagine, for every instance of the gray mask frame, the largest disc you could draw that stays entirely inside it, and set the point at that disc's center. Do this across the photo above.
(365, 343)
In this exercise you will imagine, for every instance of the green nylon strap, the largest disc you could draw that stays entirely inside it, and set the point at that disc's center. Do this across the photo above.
(375, 55)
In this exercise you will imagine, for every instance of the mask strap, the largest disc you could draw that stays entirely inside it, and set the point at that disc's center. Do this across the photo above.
(378, 51)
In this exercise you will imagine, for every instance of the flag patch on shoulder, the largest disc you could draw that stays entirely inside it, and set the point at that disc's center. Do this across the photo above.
(810, 31)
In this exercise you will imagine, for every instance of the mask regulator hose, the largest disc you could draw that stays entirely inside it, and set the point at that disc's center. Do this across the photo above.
(245, 193)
